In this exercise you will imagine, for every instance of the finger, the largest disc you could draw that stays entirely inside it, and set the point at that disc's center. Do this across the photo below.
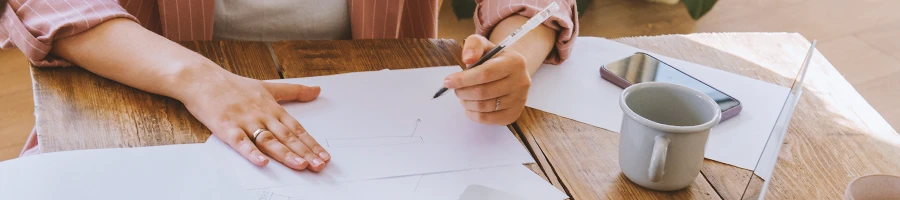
(503, 117)
(289, 139)
(499, 67)
(238, 140)
(293, 92)
(491, 90)
(270, 145)
(304, 136)
(474, 47)
(298, 149)
(492, 105)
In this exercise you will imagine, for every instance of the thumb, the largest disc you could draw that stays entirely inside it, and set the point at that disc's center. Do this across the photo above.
(475, 45)
(293, 92)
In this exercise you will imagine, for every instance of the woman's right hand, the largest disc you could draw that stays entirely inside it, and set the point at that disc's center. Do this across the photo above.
(234, 107)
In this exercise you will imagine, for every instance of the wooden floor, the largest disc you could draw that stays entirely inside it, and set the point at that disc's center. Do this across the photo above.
(856, 36)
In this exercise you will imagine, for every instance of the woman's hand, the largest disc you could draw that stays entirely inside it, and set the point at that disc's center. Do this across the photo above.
(494, 92)
(234, 107)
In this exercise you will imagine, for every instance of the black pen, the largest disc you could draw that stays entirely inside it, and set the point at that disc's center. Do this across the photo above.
(532, 23)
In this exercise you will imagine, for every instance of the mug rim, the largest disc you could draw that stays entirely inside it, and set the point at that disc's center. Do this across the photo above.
(665, 127)
(848, 194)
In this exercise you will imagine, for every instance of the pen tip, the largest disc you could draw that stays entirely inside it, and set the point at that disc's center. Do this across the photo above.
(439, 93)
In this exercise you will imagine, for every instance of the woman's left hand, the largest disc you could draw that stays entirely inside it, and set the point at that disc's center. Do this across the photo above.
(495, 91)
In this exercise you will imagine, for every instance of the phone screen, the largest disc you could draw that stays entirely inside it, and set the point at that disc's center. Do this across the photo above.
(641, 67)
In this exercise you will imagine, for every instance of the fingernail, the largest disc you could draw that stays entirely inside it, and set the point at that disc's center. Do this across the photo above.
(299, 160)
(447, 82)
(468, 54)
(317, 162)
(261, 158)
(324, 156)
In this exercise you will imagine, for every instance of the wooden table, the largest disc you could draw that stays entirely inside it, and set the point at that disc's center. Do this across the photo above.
(834, 136)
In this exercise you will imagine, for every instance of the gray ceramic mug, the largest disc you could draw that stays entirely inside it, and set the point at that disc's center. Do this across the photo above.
(664, 134)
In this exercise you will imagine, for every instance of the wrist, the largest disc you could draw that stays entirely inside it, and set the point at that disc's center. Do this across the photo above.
(185, 80)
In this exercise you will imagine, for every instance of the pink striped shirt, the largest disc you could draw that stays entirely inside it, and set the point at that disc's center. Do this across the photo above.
(33, 25)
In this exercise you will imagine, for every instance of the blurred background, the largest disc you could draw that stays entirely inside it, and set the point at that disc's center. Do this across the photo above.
(860, 38)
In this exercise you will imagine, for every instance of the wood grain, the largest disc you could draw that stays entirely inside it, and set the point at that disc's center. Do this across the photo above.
(76, 109)
(815, 19)
(318, 58)
(619, 18)
(249, 59)
(16, 103)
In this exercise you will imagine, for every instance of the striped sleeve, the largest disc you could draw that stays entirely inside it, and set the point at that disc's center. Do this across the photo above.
(33, 25)
(565, 21)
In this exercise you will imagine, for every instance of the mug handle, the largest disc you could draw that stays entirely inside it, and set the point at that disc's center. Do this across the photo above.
(658, 158)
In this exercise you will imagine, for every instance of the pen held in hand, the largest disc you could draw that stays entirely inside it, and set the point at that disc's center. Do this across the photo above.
(512, 38)
(483, 59)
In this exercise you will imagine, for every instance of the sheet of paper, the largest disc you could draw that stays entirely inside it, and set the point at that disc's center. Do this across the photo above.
(385, 124)
(480, 192)
(514, 179)
(575, 90)
(163, 172)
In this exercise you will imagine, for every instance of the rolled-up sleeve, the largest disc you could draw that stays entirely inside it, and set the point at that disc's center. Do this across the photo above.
(565, 21)
(33, 25)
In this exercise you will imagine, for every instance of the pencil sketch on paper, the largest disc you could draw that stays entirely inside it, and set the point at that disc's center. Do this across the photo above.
(377, 140)
(267, 195)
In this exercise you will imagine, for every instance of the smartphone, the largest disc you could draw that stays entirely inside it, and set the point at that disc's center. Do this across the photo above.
(642, 67)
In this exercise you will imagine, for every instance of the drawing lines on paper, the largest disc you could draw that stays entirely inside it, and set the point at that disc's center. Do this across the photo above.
(267, 195)
(377, 140)
(413, 193)
(416, 127)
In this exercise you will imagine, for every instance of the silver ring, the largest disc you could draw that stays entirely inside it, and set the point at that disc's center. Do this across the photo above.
(497, 107)
(256, 133)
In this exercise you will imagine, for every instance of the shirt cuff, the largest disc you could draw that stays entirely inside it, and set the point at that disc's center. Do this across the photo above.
(565, 21)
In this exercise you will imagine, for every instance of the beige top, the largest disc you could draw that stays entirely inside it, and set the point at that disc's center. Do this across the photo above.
(273, 20)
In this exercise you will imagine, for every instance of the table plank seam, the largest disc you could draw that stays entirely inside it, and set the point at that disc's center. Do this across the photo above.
(552, 169)
(275, 60)
(716, 190)
(528, 147)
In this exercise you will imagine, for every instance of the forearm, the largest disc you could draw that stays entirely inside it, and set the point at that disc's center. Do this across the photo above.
(534, 46)
(125, 52)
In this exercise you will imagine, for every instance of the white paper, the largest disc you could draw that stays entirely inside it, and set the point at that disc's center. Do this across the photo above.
(518, 180)
(162, 172)
(575, 90)
(514, 179)
(386, 124)
(479, 192)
